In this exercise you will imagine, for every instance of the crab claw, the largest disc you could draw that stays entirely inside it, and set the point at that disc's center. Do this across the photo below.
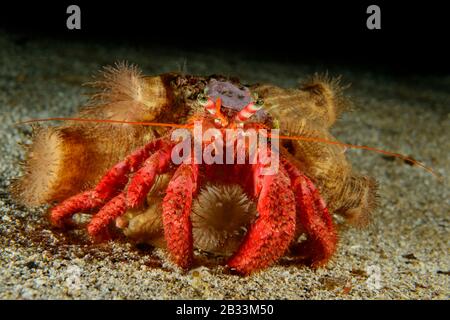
(270, 236)
(176, 211)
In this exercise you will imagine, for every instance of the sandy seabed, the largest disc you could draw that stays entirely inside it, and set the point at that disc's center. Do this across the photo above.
(404, 254)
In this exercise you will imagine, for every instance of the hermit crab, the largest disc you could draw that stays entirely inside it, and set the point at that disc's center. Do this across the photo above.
(129, 160)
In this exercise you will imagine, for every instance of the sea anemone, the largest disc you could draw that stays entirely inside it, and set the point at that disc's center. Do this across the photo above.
(220, 215)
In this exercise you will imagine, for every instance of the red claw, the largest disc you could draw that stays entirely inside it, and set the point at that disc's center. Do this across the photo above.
(269, 237)
(176, 211)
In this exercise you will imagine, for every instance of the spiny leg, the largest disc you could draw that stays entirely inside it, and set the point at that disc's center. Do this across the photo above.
(115, 207)
(144, 178)
(109, 186)
(313, 216)
(176, 211)
(269, 237)
(140, 185)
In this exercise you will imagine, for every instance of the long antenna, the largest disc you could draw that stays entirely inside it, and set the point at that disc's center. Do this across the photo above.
(282, 137)
(142, 123)
(353, 146)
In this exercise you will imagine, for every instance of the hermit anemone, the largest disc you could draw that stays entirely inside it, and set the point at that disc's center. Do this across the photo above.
(220, 217)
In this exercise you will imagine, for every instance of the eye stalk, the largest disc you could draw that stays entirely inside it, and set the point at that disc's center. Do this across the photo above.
(249, 110)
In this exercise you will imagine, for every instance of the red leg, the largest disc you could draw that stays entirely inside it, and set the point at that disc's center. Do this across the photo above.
(115, 207)
(139, 187)
(109, 186)
(270, 236)
(314, 217)
(176, 211)
(144, 178)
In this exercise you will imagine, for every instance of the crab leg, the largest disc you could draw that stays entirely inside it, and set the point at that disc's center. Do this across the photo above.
(139, 187)
(176, 211)
(115, 207)
(273, 231)
(313, 216)
(108, 187)
(144, 178)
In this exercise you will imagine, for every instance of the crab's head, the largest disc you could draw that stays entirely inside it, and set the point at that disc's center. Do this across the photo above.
(229, 105)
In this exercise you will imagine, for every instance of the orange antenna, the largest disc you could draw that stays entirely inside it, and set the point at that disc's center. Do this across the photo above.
(142, 123)
(347, 145)
(221, 116)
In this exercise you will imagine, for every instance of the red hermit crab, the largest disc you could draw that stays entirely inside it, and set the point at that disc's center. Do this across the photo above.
(107, 159)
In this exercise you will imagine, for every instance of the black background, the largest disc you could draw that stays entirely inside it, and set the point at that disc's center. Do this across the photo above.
(412, 39)
(283, 309)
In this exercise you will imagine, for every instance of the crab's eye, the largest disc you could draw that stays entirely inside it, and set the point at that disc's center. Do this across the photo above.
(202, 99)
(259, 102)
